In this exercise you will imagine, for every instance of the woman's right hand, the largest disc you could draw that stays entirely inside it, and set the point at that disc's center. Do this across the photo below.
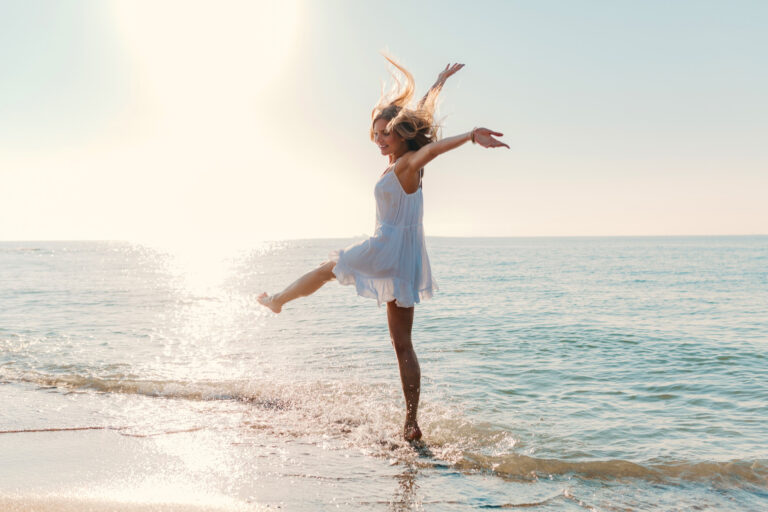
(484, 137)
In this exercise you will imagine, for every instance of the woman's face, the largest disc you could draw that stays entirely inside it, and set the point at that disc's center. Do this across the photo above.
(388, 142)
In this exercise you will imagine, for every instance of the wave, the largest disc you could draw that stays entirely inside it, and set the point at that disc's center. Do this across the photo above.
(733, 472)
(240, 390)
(321, 410)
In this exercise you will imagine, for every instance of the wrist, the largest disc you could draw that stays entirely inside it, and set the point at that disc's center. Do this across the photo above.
(472, 136)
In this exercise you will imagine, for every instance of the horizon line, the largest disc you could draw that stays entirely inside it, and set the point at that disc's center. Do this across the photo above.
(126, 240)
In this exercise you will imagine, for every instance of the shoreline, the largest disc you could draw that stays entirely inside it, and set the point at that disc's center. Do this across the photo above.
(61, 503)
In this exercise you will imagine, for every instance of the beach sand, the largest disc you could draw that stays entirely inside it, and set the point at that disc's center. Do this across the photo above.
(110, 469)
(83, 470)
(65, 504)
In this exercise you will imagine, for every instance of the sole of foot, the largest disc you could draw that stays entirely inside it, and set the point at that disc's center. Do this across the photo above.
(268, 301)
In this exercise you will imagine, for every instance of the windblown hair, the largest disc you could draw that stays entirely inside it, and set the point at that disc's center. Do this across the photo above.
(416, 124)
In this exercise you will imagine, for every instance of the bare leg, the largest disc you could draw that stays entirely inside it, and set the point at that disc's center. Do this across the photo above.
(307, 284)
(400, 324)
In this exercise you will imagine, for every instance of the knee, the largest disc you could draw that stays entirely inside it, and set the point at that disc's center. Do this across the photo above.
(402, 344)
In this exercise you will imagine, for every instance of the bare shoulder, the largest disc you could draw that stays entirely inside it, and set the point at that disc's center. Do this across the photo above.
(407, 172)
(406, 165)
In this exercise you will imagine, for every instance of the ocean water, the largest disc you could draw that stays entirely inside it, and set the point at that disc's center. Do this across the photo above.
(557, 374)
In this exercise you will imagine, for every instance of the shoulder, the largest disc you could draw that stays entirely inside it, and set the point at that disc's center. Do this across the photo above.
(407, 165)
(408, 172)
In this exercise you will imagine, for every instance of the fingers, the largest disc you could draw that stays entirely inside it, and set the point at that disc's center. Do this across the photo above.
(491, 132)
(492, 143)
(498, 143)
(489, 142)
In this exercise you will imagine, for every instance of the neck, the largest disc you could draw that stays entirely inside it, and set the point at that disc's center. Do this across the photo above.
(393, 157)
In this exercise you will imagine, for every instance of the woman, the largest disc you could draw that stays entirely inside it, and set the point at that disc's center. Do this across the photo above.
(392, 266)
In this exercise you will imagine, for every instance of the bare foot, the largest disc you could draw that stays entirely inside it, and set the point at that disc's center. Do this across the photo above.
(270, 302)
(411, 432)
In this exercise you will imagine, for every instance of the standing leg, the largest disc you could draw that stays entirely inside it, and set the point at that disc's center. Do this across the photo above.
(307, 284)
(400, 324)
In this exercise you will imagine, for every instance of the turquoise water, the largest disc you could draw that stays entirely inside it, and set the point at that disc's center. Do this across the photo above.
(572, 373)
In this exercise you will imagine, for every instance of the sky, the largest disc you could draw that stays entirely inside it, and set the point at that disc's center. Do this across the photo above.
(241, 121)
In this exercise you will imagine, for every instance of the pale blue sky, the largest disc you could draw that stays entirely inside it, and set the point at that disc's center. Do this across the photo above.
(247, 121)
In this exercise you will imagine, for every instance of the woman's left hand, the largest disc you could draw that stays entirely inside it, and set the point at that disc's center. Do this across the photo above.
(484, 137)
(450, 70)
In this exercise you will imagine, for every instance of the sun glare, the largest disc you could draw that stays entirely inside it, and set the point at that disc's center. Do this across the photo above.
(199, 72)
(205, 58)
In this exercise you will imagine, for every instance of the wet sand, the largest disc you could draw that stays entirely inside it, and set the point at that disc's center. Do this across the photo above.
(109, 469)
(83, 470)
(67, 504)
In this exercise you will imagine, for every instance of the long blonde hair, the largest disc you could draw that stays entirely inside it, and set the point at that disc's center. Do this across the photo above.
(416, 124)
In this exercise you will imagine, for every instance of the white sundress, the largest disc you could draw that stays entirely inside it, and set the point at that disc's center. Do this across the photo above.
(393, 263)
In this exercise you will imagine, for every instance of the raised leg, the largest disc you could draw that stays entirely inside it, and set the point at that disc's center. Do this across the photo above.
(400, 323)
(307, 284)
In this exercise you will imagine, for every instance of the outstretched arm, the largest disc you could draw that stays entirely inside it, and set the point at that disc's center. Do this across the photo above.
(481, 136)
(450, 70)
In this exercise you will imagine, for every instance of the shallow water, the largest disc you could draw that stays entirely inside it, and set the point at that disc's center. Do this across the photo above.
(572, 373)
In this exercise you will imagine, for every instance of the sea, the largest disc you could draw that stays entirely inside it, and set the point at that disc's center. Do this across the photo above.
(608, 373)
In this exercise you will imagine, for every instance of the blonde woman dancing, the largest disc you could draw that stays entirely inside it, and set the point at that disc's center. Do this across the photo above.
(392, 266)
